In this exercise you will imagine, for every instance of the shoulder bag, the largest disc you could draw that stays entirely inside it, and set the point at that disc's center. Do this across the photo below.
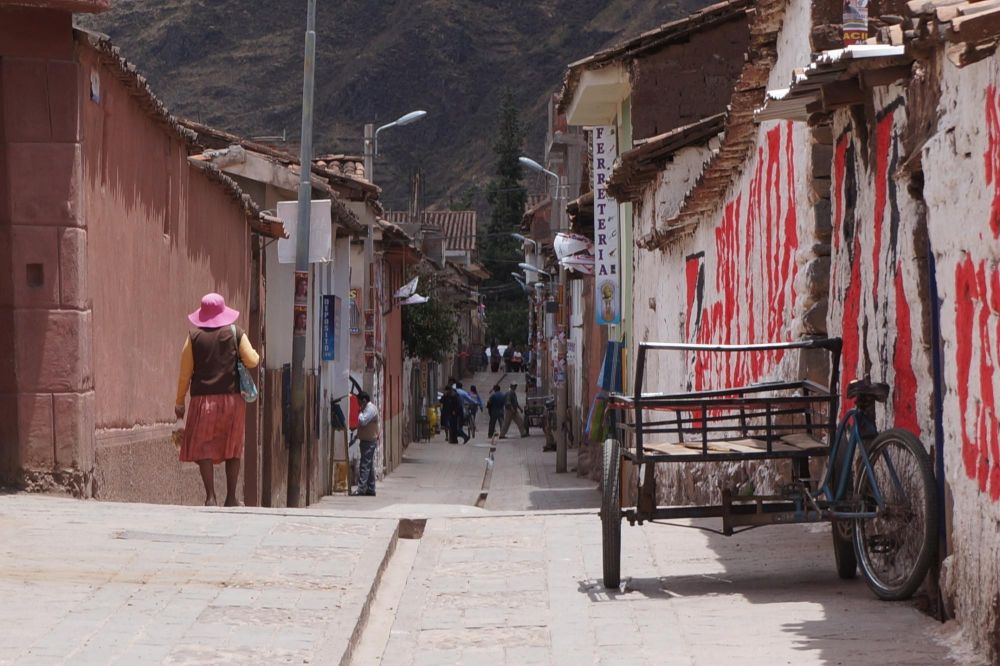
(247, 388)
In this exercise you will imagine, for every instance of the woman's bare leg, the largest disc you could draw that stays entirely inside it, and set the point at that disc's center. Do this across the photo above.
(232, 478)
(208, 478)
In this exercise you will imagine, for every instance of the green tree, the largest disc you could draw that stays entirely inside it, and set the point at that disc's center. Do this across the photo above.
(429, 329)
(506, 309)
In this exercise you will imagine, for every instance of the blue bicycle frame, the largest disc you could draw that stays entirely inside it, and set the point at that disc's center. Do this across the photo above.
(854, 443)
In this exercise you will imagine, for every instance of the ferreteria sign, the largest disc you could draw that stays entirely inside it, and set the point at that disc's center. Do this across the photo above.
(607, 289)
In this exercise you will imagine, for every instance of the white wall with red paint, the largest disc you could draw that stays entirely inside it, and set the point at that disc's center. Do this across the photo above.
(962, 190)
(878, 296)
(730, 279)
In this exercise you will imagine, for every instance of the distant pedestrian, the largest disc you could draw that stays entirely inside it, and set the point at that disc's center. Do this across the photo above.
(508, 355)
(512, 412)
(474, 394)
(368, 433)
(451, 415)
(494, 358)
(495, 408)
(517, 361)
(216, 417)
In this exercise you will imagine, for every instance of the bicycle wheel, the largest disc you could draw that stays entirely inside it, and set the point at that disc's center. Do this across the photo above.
(895, 549)
(611, 514)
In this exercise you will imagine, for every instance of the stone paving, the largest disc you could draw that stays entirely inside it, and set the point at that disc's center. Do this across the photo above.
(518, 590)
(94, 583)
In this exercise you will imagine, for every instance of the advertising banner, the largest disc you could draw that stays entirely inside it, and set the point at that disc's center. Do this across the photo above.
(855, 22)
(607, 290)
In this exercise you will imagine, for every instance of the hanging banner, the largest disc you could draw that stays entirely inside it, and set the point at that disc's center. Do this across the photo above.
(331, 311)
(607, 290)
(855, 22)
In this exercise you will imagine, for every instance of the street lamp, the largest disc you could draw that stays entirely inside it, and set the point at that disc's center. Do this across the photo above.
(411, 117)
(522, 239)
(529, 267)
(535, 166)
(371, 149)
(371, 138)
(561, 390)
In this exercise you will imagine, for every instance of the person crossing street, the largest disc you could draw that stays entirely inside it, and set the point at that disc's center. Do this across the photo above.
(512, 412)
(495, 408)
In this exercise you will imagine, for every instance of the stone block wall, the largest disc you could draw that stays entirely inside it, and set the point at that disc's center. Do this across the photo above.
(46, 380)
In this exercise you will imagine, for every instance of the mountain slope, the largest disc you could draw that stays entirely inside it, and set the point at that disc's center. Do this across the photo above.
(237, 65)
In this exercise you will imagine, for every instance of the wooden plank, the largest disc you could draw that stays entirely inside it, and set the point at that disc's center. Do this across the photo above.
(977, 27)
(802, 440)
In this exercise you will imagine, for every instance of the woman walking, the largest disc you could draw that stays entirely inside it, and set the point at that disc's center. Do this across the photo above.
(216, 417)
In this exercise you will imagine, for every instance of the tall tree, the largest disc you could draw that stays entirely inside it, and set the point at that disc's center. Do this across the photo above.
(506, 309)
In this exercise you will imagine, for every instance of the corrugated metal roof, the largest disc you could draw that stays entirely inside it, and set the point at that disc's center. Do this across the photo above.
(827, 67)
(457, 226)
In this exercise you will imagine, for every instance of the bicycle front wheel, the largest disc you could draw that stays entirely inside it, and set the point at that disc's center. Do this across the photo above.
(896, 547)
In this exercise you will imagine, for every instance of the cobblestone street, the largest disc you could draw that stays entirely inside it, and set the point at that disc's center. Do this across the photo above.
(515, 581)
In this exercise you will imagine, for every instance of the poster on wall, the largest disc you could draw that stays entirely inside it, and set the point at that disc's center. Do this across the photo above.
(855, 22)
(608, 280)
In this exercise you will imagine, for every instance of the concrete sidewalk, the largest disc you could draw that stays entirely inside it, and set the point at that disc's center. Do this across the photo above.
(97, 583)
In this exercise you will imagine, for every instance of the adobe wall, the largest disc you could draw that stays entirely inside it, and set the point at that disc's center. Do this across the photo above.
(961, 165)
(878, 278)
(680, 85)
(739, 275)
(160, 234)
(46, 397)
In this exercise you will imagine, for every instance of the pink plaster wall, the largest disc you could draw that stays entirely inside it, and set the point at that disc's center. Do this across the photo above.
(160, 235)
(46, 380)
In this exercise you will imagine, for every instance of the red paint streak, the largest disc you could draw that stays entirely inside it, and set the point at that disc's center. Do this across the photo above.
(977, 306)
(851, 333)
(755, 245)
(839, 174)
(883, 141)
(691, 269)
(992, 155)
(905, 385)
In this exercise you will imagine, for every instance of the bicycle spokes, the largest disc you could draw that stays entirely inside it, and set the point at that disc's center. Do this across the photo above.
(894, 547)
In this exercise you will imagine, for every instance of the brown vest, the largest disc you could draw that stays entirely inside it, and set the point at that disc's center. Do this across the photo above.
(215, 353)
(369, 431)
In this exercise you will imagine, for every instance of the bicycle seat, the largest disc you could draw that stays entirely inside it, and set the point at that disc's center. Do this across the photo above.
(864, 388)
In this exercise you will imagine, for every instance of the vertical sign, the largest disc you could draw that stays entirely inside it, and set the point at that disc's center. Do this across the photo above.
(855, 22)
(329, 344)
(607, 290)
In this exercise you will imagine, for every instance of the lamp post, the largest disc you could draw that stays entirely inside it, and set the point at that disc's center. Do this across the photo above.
(371, 150)
(561, 388)
(298, 378)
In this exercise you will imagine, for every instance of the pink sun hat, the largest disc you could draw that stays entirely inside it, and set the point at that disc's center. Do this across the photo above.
(213, 313)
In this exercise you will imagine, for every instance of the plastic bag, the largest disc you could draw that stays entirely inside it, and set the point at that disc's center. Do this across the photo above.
(177, 435)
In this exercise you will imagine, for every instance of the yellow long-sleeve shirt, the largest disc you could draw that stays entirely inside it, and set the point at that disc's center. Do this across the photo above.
(248, 355)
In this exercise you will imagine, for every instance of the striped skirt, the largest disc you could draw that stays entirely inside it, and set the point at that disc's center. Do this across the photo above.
(214, 428)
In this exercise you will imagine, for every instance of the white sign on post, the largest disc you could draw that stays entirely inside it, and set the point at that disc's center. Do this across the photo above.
(607, 290)
(320, 231)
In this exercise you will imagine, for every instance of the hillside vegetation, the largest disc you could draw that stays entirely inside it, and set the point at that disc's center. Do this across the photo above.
(237, 65)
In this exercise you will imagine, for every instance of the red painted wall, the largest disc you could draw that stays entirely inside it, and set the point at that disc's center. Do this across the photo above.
(160, 236)
(741, 290)
(877, 301)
